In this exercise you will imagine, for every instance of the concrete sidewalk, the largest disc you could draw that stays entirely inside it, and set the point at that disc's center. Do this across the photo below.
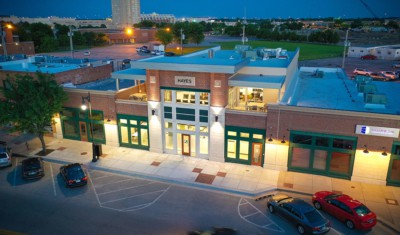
(249, 181)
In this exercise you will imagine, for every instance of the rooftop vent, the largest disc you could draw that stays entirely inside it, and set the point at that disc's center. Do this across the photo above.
(211, 53)
(364, 88)
(377, 101)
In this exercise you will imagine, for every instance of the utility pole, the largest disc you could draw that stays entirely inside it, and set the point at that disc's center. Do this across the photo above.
(182, 38)
(70, 34)
(346, 43)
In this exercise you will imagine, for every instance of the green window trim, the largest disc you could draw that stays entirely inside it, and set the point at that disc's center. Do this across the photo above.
(314, 146)
(394, 156)
(141, 124)
(184, 89)
(230, 130)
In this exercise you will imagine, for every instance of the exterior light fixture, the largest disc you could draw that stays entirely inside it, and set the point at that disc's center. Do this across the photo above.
(153, 112)
(270, 138)
(283, 140)
(108, 119)
(216, 118)
(365, 149)
(384, 153)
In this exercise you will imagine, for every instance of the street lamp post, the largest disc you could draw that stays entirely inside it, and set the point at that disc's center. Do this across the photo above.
(182, 38)
(3, 41)
(70, 34)
(346, 43)
(84, 107)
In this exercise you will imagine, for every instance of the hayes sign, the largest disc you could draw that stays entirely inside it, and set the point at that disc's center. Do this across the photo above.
(185, 81)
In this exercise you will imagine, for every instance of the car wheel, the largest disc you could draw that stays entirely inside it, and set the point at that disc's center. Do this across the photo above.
(317, 205)
(300, 229)
(271, 209)
(349, 224)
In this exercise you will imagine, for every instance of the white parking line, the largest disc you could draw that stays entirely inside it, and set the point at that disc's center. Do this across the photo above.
(137, 195)
(147, 204)
(269, 225)
(116, 182)
(118, 190)
(15, 173)
(52, 179)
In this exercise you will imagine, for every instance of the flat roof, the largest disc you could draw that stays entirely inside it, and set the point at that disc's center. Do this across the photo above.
(26, 66)
(257, 81)
(334, 90)
(108, 84)
(130, 74)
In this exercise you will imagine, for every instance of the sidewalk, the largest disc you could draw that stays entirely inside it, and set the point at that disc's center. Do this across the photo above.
(249, 181)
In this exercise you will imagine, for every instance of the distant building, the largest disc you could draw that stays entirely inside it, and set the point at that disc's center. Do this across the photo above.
(158, 18)
(388, 52)
(58, 20)
(11, 47)
(125, 13)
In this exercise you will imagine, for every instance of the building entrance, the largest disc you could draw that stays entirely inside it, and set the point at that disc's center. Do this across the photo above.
(185, 145)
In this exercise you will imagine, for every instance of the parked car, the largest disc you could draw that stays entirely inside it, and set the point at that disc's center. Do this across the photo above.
(73, 175)
(142, 49)
(5, 155)
(377, 76)
(348, 210)
(358, 71)
(304, 216)
(32, 168)
(390, 75)
(369, 57)
(169, 53)
(86, 53)
(157, 52)
(396, 65)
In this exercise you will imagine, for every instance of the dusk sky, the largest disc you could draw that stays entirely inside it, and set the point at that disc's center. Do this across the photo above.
(98, 9)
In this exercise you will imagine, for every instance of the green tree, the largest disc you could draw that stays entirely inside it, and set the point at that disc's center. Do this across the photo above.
(195, 33)
(145, 24)
(48, 44)
(392, 24)
(164, 36)
(30, 103)
(357, 23)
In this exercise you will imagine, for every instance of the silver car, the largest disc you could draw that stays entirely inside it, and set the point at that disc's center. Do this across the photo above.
(5, 155)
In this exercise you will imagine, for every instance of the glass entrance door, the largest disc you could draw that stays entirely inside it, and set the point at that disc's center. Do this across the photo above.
(256, 157)
(185, 144)
(83, 131)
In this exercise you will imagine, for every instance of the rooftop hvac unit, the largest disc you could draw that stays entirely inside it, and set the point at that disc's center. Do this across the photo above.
(367, 88)
(375, 99)
(363, 79)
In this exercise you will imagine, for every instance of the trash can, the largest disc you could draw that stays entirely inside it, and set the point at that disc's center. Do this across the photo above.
(97, 150)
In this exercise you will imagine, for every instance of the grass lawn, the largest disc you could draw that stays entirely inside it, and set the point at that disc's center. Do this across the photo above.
(308, 51)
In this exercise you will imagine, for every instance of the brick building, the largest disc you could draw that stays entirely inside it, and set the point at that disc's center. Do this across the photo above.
(253, 107)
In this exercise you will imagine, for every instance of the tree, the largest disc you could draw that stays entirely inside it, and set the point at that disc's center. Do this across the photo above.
(392, 24)
(30, 103)
(164, 36)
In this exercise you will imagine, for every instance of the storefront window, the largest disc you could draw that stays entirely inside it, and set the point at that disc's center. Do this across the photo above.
(133, 122)
(340, 162)
(244, 135)
(186, 127)
(204, 98)
(168, 96)
(124, 134)
(134, 135)
(300, 158)
(322, 141)
(257, 136)
(302, 139)
(231, 149)
(394, 174)
(98, 131)
(169, 142)
(232, 133)
(185, 97)
(168, 125)
(144, 137)
(123, 121)
(204, 144)
(244, 150)
(320, 157)
(70, 128)
(97, 116)
(204, 129)
(343, 143)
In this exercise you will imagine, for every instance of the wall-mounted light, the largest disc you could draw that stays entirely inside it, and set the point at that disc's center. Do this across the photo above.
(216, 118)
(384, 153)
(153, 112)
(108, 119)
(283, 140)
(270, 138)
(365, 149)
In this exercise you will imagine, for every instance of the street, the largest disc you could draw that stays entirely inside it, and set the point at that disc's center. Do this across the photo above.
(122, 204)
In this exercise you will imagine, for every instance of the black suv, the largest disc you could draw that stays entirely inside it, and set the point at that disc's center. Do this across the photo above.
(74, 175)
(304, 216)
(32, 168)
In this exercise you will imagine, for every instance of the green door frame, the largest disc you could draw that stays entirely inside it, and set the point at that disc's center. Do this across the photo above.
(138, 126)
(330, 149)
(394, 156)
(250, 139)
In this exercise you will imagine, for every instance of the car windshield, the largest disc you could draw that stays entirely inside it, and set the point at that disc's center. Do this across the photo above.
(313, 216)
(75, 172)
(31, 165)
(3, 155)
(362, 210)
(331, 196)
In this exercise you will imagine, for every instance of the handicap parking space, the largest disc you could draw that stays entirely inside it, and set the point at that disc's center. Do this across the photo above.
(125, 193)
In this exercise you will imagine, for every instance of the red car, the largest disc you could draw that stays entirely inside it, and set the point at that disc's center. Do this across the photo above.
(348, 210)
(368, 57)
